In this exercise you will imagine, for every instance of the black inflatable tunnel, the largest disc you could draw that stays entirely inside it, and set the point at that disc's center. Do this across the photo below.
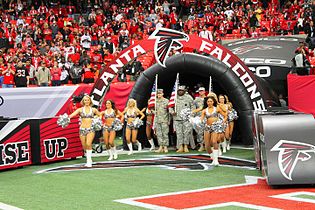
(204, 67)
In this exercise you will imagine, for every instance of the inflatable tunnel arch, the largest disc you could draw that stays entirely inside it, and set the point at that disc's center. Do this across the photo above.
(246, 92)
(201, 66)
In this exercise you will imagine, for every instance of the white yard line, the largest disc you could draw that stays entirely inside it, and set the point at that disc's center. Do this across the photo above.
(4, 206)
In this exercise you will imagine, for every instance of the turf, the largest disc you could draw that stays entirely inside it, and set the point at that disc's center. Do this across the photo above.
(232, 208)
(97, 189)
(312, 197)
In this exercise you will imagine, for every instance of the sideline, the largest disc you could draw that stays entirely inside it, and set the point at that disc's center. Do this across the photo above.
(4, 206)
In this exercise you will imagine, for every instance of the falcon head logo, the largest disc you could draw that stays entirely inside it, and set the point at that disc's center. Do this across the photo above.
(290, 152)
(245, 49)
(166, 40)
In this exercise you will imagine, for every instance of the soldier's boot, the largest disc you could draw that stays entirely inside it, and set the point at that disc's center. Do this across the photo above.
(215, 161)
(202, 148)
(181, 149)
(224, 146)
(159, 150)
(130, 149)
(165, 149)
(152, 148)
(186, 148)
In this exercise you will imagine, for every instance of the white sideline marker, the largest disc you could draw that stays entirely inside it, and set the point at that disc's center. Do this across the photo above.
(4, 206)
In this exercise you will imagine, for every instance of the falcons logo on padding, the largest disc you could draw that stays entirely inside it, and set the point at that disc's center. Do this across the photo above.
(290, 152)
(166, 40)
(245, 49)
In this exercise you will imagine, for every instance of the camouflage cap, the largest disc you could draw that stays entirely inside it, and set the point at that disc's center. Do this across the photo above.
(159, 91)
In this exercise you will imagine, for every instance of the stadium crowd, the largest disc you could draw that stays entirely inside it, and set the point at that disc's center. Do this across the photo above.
(60, 42)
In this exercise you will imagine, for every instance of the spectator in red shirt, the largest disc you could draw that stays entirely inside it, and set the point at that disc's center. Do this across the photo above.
(1, 74)
(174, 19)
(8, 76)
(55, 73)
(47, 33)
(99, 19)
(133, 27)
(107, 56)
(88, 74)
(33, 12)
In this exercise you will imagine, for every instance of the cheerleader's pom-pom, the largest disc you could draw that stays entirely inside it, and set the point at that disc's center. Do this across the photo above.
(117, 125)
(137, 123)
(195, 121)
(63, 120)
(97, 124)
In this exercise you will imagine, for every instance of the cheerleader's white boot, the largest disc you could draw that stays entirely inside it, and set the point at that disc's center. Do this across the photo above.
(88, 158)
(152, 148)
(211, 154)
(130, 149)
(219, 149)
(139, 146)
(224, 146)
(228, 144)
(215, 161)
(115, 155)
(110, 152)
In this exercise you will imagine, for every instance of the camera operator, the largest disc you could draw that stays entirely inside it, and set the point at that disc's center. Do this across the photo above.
(122, 74)
(310, 39)
(137, 68)
(300, 59)
(134, 69)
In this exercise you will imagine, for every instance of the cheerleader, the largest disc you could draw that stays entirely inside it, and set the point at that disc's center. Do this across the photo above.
(232, 116)
(213, 94)
(133, 123)
(213, 127)
(112, 123)
(148, 128)
(224, 116)
(87, 133)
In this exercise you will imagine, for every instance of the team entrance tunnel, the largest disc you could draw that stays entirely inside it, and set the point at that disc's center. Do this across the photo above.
(204, 67)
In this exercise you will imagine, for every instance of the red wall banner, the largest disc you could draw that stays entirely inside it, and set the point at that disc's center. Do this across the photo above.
(15, 144)
(119, 93)
(301, 93)
(57, 143)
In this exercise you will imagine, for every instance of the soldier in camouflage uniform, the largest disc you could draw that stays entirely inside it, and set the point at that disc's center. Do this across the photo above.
(184, 129)
(162, 121)
(198, 104)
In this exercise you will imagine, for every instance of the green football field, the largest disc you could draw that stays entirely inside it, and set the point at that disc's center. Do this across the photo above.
(98, 189)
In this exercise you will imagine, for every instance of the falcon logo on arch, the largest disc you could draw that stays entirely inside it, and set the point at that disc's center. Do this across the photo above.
(167, 40)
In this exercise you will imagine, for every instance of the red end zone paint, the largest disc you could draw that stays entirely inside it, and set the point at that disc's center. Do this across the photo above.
(257, 193)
